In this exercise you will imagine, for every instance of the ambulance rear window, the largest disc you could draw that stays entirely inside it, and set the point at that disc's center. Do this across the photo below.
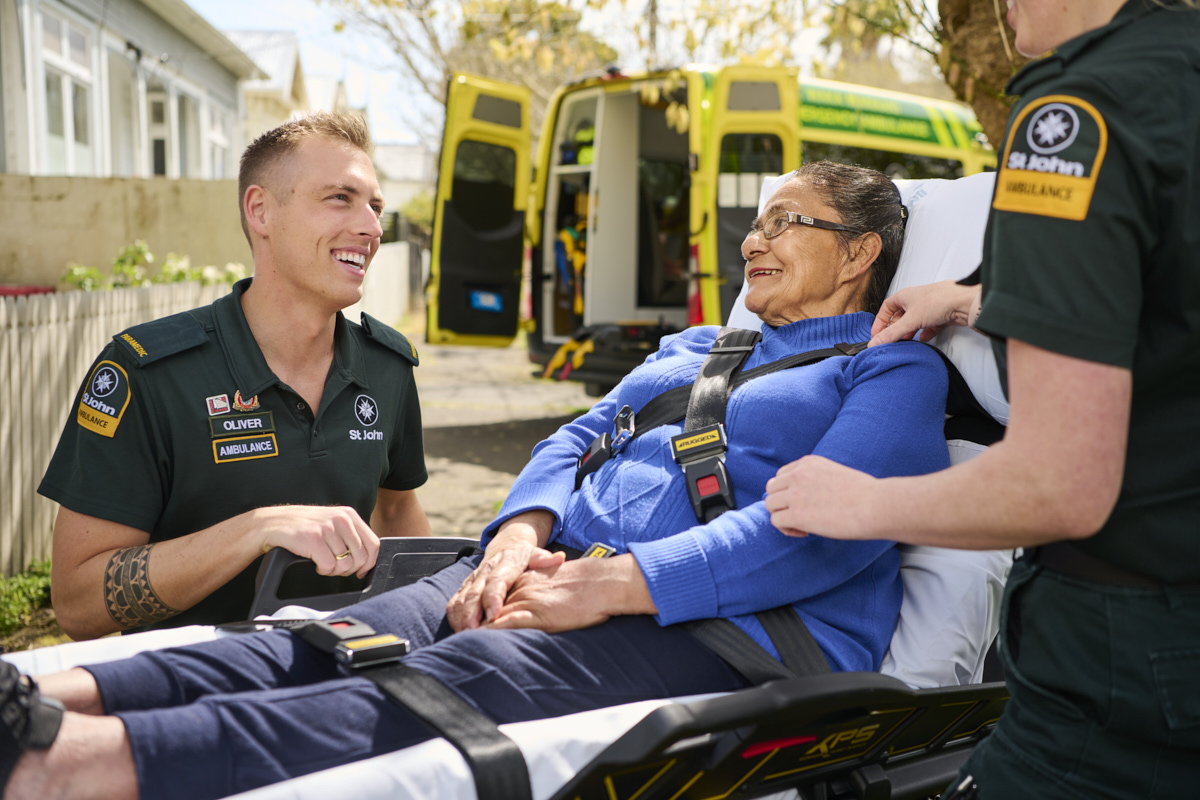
(497, 110)
(754, 96)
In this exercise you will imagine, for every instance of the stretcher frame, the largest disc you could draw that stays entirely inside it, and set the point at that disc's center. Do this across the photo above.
(846, 735)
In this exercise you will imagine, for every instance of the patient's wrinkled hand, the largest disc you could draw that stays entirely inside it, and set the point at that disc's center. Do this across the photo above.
(561, 598)
(818, 496)
(511, 552)
(577, 594)
(927, 309)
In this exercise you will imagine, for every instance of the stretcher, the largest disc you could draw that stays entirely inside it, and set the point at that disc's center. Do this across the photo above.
(899, 734)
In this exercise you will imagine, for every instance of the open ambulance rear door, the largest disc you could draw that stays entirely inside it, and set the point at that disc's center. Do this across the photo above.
(473, 295)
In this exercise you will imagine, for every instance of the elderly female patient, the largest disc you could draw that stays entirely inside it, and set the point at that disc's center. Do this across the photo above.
(521, 633)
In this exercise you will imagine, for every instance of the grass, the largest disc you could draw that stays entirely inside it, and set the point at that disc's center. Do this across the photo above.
(22, 595)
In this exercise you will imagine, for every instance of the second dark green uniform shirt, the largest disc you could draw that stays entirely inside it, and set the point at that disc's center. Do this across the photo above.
(1093, 251)
(180, 424)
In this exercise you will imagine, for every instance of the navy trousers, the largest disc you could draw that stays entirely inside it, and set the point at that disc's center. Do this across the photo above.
(1105, 700)
(221, 717)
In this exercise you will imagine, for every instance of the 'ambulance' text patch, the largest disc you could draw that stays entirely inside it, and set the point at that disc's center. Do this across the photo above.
(1052, 159)
(244, 448)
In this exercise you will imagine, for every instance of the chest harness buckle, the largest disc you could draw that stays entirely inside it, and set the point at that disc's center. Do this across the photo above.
(700, 449)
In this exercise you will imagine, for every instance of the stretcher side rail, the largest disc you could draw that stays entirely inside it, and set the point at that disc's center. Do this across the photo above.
(401, 561)
(845, 735)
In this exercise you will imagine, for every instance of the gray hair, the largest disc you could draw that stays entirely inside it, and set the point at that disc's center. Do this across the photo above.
(869, 202)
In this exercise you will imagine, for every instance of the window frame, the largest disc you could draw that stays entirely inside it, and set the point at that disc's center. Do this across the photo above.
(52, 65)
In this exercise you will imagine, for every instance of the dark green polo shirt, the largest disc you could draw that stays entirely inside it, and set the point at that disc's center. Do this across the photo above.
(1093, 251)
(181, 424)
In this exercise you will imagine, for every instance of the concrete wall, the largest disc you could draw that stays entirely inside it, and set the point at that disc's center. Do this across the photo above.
(386, 287)
(51, 221)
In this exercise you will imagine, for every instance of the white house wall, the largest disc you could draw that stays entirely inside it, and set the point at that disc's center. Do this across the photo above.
(117, 30)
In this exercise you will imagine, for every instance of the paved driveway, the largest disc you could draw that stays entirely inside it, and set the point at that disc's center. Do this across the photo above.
(482, 413)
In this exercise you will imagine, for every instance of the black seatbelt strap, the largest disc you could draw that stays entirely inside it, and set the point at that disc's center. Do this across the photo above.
(700, 449)
(799, 651)
(738, 650)
(671, 405)
(497, 765)
(710, 391)
(794, 641)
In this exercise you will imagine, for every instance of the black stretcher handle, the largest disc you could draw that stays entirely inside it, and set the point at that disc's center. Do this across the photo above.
(401, 561)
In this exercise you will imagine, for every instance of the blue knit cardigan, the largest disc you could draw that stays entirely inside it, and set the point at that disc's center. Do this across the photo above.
(880, 412)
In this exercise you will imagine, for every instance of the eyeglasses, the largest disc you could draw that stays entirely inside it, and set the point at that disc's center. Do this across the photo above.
(776, 224)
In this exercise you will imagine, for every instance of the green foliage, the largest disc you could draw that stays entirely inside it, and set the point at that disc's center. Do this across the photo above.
(419, 212)
(23, 594)
(130, 267)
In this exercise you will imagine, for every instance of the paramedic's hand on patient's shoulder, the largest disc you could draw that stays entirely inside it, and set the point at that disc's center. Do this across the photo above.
(927, 309)
(816, 495)
(576, 594)
(516, 548)
(322, 533)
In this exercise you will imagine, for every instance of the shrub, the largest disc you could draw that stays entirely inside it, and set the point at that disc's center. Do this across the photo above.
(130, 265)
(23, 594)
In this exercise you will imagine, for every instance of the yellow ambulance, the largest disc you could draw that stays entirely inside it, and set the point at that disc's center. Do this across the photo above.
(628, 223)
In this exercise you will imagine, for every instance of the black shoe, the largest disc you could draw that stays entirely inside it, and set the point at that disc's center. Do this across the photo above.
(27, 722)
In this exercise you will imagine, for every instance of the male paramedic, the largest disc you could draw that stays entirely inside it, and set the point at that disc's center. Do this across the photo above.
(201, 441)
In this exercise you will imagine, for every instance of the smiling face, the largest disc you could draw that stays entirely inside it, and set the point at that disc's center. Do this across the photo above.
(1042, 25)
(803, 272)
(320, 221)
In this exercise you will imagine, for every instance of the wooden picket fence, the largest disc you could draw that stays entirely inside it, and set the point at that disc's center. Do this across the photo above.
(47, 343)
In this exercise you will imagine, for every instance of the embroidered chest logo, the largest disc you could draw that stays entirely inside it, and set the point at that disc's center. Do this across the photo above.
(367, 412)
(105, 399)
(244, 405)
(1052, 159)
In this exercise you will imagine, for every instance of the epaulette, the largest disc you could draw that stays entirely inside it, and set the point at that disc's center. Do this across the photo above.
(154, 341)
(389, 337)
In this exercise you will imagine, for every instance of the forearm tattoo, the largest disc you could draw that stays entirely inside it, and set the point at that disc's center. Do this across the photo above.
(128, 596)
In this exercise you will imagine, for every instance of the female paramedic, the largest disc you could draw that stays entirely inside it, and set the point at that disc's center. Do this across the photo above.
(1091, 286)
(522, 633)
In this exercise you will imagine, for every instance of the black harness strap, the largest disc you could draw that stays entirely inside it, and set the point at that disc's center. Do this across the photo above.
(497, 765)
(738, 650)
(801, 654)
(794, 641)
(672, 405)
(710, 392)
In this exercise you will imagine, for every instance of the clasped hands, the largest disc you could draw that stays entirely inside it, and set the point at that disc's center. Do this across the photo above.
(519, 584)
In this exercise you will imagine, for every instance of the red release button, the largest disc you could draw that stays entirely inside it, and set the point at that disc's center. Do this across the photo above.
(708, 486)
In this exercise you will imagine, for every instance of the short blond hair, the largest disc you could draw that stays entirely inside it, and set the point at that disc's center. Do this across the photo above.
(265, 153)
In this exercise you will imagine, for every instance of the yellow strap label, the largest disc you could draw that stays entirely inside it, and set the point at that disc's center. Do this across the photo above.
(699, 440)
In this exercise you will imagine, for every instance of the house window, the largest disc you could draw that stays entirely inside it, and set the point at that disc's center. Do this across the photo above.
(160, 131)
(218, 142)
(125, 130)
(66, 52)
(189, 137)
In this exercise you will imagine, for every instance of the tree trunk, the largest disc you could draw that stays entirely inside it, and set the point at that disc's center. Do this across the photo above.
(978, 58)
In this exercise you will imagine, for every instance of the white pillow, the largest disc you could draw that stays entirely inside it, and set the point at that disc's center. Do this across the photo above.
(951, 608)
(944, 241)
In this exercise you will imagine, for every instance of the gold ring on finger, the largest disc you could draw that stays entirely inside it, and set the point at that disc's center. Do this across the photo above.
(343, 556)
